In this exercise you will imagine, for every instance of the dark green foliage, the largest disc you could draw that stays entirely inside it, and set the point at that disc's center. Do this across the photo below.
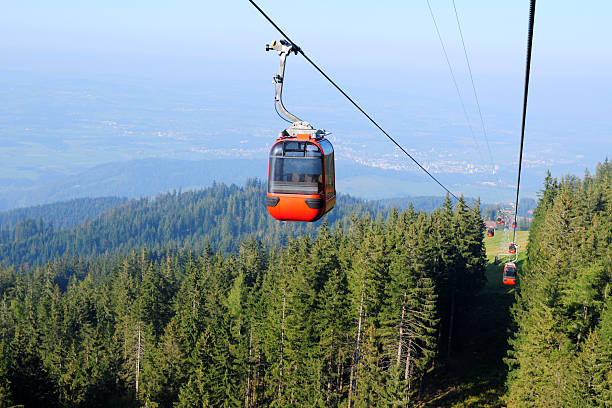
(560, 352)
(62, 214)
(221, 215)
(348, 315)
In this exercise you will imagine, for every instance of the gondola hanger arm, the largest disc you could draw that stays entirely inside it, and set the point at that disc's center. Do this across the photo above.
(284, 48)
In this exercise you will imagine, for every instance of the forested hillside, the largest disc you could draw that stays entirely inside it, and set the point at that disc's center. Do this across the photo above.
(561, 351)
(220, 215)
(63, 214)
(354, 317)
(426, 203)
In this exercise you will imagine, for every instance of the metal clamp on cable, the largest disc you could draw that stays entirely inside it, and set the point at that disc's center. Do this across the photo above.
(283, 46)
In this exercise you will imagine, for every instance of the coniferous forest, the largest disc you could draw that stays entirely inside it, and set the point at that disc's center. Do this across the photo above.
(355, 316)
(357, 313)
(561, 348)
(222, 216)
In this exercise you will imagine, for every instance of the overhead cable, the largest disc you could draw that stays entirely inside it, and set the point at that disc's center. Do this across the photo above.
(351, 100)
(482, 124)
(526, 93)
(452, 74)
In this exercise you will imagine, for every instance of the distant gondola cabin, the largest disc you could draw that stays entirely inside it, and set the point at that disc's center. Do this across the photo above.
(509, 276)
(490, 232)
(512, 248)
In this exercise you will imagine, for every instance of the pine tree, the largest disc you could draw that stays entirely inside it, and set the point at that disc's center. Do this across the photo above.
(369, 383)
(333, 326)
(165, 370)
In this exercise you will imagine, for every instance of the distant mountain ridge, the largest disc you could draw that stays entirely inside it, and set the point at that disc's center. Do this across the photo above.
(63, 214)
(151, 176)
(131, 179)
(220, 215)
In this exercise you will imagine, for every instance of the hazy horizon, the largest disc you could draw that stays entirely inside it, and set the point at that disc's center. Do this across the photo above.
(87, 85)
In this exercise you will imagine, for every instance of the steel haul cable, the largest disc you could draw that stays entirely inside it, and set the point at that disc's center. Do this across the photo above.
(452, 74)
(352, 101)
(526, 93)
(454, 80)
(482, 124)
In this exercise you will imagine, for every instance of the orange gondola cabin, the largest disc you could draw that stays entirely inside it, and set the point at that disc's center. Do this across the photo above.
(509, 276)
(512, 248)
(513, 224)
(301, 182)
(498, 221)
(490, 232)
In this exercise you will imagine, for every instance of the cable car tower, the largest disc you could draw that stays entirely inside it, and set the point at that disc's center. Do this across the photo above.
(301, 181)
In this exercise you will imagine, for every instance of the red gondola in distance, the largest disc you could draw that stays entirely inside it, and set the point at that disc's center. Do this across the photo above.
(498, 221)
(490, 232)
(513, 224)
(512, 248)
(301, 180)
(509, 275)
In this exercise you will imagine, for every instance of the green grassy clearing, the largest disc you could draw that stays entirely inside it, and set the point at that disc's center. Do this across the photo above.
(475, 375)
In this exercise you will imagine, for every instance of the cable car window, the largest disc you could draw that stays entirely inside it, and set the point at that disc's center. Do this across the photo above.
(312, 150)
(327, 147)
(510, 272)
(329, 172)
(328, 151)
(277, 150)
(298, 172)
(294, 149)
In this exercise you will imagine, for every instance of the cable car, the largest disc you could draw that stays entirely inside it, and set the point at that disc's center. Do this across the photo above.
(512, 248)
(301, 180)
(503, 222)
(490, 232)
(509, 276)
(301, 177)
(513, 224)
(498, 221)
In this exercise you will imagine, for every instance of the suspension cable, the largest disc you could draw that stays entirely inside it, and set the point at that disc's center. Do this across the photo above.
(452, 74)
(482, 124)
(527, 71)
(352, 101)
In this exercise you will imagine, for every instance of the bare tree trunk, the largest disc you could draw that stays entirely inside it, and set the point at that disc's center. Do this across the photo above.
(584, 315)
(401, 332)
(329, 385)
(329, 372)
(340, 372)
(247, 401)
(408, 369)
(138, 360)
(356, 354)
(282, 346)
(438, 352)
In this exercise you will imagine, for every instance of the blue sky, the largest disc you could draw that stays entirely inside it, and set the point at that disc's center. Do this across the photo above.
(571, 36)
(386, 54)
